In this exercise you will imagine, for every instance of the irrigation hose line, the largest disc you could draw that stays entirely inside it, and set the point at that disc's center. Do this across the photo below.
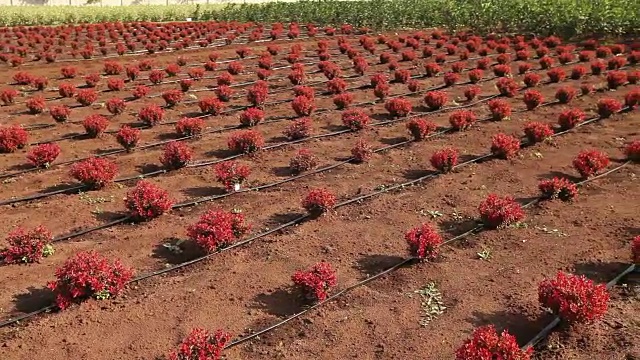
(306, 216)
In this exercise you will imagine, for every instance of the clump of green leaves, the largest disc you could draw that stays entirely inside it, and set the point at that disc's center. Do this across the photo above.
(431, 302)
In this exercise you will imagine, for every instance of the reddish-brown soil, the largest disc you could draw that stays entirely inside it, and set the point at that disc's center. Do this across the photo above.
(248, 288)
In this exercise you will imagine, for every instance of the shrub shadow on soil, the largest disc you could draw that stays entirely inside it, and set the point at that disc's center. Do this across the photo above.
(414, 174)
(203, 191)
(517, 323)
(599, 271)
(34, 299)
(370, 265)
(187, 251)
(559, 174)
(281, 302)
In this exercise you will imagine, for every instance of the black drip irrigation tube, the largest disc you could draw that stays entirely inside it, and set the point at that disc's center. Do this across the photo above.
(304, 217)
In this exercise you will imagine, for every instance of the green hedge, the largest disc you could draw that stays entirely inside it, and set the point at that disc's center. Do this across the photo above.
(563, 17)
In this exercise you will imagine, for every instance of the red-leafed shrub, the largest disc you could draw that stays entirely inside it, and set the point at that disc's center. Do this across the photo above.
(235, 67)
(556, 75)
(597, 67)
(132, 72)
(299, 129)
(413, 85)
(315, 282)
(297, 76)
(633, 76)
(251, 117)
(257, 94)
(632, 151)
(355, 119)
(586, 89)
(507, 87)
(537, 132)
(458, 67)
(245, 141)
(116, 106)
(568, 119)
(451, 78)
(590, 162)
(172, 70)
(496, 212)
(424, 242)
(432, 69)
(66, 90)
(156, 76)
(189, 126)
(483, 64)
(224, 93)
(565, 94)
(342, 101)
(172, 97)
(635, 250)
(231, 174)
(361, 152)
(336, 86)
(304, 91)
(398, 107)
(95, 125)
(43, 155)
(504, 146)
(585, 56)
(408, 55)
(319, 201)
(558, 188)
(445, 159)
(201, 345)
(462, 119)
(7, 96)
(94, 173)
(128, 137)
(475, 75)
(140, 91)
(211, 106)
(546, 62)
(303, 160)
(263, 74)
(35, 105)
(27, 246)
(486, 343)
(531, 80)
(115, 84)
(60, 113)
(501, 70)
(40, 83)
(532, 99)
(616, 79)
(471, 92)
(575, 299)
(23, 78)
(224, 79)
(420, 128)
(112, 68)
(381, 91)
(500, 109)
(603, 52)
(632, 98)
(68, 72)
(217, 229)
(402, 76)
(151, 114)
(86, 275)
(196, 74)
(176, 155)
(378, 79)
(616, 63)
(578, 72)
(435, 99)
(608, 107)
(92, 80)
(86, 97)
(147, 201)
(302, 105)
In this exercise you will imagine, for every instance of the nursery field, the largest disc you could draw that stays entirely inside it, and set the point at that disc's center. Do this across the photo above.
(306, 192)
